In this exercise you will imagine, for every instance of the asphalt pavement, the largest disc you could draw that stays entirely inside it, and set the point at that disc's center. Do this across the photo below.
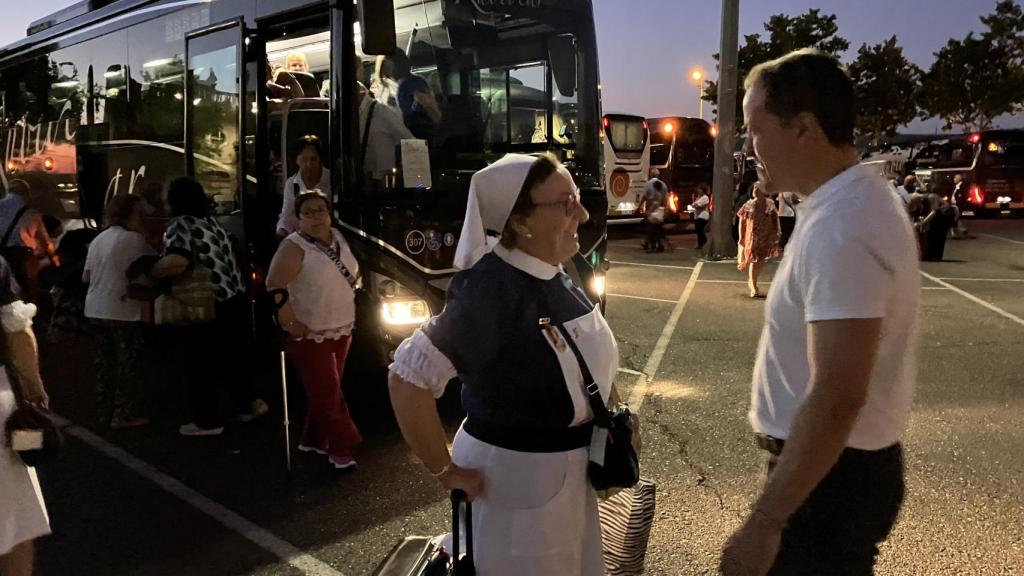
(146, 501)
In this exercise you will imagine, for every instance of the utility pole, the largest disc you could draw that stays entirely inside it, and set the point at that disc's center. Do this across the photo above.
(722, 246)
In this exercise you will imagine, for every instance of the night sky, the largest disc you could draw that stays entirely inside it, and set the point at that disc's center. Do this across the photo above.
(649, 47)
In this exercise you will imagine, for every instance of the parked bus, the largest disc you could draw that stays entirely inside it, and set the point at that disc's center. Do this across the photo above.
(991, 164)
(121, 96)
(683, 151)
(627, 164)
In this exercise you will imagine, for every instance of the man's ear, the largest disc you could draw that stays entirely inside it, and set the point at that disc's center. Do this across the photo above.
(805, 124)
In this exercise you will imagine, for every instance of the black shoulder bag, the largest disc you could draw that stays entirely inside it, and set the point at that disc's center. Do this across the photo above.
(335, 257)
(621, 468)
(30, 430)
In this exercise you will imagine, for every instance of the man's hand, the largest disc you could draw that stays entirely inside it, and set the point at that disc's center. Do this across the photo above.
(752, 549)
(469, 481)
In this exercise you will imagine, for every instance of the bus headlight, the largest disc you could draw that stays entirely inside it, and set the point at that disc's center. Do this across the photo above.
(597, 284)
(404, 312)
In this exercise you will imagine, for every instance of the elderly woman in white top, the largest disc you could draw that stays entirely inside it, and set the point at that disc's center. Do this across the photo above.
(522, 451)
(115, 319)
(309, 156)
(320, 274)
(22, 511)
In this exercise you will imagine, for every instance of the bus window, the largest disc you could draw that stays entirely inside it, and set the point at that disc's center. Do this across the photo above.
(627, 136)
(1003, 153)
(156, 65)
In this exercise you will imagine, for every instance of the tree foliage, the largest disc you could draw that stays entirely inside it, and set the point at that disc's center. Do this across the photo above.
(885, 88)
(978, 78)
(784, 34)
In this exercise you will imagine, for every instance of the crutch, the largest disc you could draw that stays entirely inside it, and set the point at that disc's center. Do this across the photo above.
(279, 297)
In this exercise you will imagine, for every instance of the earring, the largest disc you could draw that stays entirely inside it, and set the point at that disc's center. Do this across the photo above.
(528, 235)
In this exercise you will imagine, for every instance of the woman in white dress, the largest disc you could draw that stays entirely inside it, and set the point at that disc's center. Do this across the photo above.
(521, 455)
(22, 511)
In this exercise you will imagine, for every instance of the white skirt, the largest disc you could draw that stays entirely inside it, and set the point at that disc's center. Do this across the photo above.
(537, 514)
(22, 511)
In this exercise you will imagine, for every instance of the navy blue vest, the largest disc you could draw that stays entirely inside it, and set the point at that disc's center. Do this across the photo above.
(514, 391)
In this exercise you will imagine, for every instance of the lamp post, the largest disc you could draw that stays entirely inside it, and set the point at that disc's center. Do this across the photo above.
(697, 75)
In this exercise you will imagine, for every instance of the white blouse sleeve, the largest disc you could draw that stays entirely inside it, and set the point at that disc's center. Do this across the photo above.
(287, 220)
(420, 363)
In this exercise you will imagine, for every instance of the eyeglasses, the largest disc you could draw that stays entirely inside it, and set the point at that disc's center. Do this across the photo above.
(570, 203)
(313, 213)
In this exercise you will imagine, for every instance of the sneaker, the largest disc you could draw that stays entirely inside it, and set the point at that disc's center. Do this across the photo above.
(256, 409)
(191, 429)
(342, 462)
(304, 448)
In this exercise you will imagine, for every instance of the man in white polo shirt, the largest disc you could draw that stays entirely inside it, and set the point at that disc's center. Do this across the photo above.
(835, 368)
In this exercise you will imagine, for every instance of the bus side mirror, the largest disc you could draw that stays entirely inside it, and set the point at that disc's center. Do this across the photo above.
(377, 25)
(562, 54)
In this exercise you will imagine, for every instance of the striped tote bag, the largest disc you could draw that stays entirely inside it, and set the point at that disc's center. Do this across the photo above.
(626, 519)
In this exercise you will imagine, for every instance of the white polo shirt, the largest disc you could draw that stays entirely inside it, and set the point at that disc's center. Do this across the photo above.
(852, 255)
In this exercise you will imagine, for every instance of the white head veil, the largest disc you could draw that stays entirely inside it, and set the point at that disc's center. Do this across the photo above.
(492, 194)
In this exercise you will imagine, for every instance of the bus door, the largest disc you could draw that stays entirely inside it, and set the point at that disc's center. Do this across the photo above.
(214, 154)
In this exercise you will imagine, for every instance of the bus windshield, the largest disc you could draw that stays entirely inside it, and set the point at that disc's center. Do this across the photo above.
(626, 133)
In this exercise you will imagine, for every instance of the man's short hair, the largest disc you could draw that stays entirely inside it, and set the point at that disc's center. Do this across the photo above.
(808, 80)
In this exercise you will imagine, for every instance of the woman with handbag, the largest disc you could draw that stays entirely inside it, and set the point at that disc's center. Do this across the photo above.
(22, 510)
(316, 267)
(114, 319)
(214, 351)
(522, 338)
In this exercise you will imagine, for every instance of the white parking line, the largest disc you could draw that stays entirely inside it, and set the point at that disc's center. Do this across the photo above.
(641, 298)
(984, 279)
(631, 372)
(1000, 238)
(250, 531)
(620, 263)
(639, 393)
(975, 299)
(731, 282)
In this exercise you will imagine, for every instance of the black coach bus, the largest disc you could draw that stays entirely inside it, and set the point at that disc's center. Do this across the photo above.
(683, 151)
(121, 96)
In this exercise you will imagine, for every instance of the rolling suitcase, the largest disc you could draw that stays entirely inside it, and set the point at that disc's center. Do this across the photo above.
(424, 556)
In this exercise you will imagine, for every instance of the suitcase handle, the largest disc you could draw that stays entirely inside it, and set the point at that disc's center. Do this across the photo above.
(466, 567)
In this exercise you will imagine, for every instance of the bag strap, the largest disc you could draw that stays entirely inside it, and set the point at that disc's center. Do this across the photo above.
(331, 253)
(10, 229)
(458, 497)
(597, 404)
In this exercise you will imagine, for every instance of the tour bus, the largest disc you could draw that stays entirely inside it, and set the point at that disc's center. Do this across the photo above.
(991, 163)
(627, 163)
(683, 151)
(121, 96)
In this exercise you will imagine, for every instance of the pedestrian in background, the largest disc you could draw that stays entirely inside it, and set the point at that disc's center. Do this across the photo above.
(116, 320)
(317, 268)
(935, 226)
(649, 189)
(787, 216)
(759, 236)
(702, 214)
(743, 195)
(655, 200)
(834, 374)
(26, 243)
(958, 192)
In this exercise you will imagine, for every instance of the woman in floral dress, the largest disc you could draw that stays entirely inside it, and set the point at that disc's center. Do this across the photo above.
(759, 236)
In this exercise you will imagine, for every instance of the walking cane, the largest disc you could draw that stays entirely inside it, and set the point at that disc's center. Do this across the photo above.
(279, 297)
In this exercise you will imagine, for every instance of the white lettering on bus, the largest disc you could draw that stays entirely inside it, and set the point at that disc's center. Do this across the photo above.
(114, 186)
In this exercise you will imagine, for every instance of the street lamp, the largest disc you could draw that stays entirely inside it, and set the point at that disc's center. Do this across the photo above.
(697, 75)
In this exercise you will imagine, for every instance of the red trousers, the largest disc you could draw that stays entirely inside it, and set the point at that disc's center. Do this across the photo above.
(329, 426)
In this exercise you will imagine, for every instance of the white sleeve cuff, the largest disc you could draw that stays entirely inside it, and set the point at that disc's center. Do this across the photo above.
(17, 316)
(420, 363)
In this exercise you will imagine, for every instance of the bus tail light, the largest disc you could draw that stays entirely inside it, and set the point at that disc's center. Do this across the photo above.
(48, 163)
(713, 131)
(975, 195)
(673, 202)
(606, 122)
(974, 138)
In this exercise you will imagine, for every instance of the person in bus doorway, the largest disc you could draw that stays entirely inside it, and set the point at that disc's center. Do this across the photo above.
(654, 203)
(383, 129)
(312, 175)
(416, 100)
(521, 454)
(787, 216)
(116, 320)
(759, 236)
(702, 214)
(25, 242)
(833, 379)
(214, 355)
(316, 267)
